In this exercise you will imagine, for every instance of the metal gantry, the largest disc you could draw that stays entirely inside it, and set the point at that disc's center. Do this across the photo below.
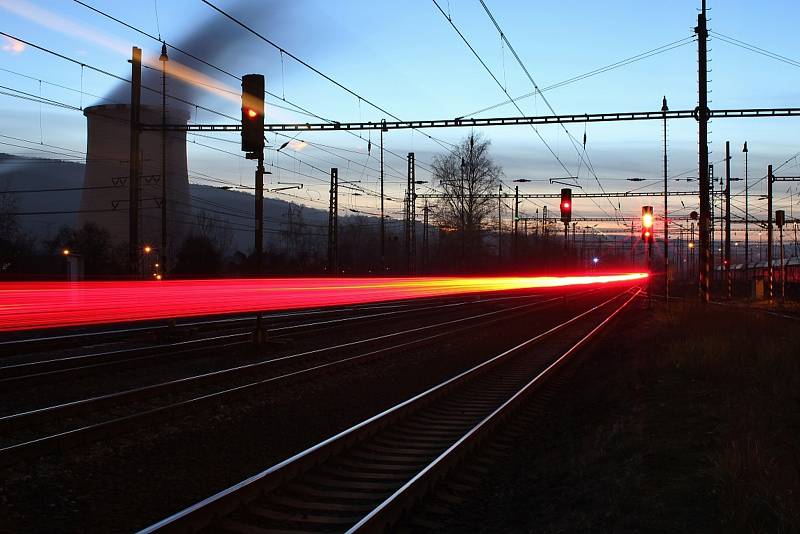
(494, 121)
(517, 196)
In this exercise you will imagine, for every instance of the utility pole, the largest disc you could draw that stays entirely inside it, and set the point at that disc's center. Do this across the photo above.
(770, 272)
(664, 110)
(712, 226)
(253, 146)
(583, 244)
(463, 216)
(411, 241)
(573, 237)
(633, 244)
(516, 221)
(728, 277)
(500, 223)
(746, 219)
(383, 217)
(134, 169)
(691, 252)
(544, 221)
(259, 212)
(425, 236)
(783, 265)
(702, 145)
(333, 224)
(163, 58)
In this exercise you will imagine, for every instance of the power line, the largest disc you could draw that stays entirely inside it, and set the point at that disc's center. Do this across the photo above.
(754, 48)
(112, 75)
(299, 109)
(480, 60)
(589, 165)
(624, 62)
(314, 69)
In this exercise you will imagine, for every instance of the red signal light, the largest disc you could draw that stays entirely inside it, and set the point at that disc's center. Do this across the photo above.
(647, 223)
(566, 205)
(253, 113)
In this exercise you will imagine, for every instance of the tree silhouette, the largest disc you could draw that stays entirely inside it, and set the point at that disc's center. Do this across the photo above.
(468, 177)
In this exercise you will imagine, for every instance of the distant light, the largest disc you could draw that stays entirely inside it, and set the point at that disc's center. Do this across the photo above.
(158, 276)
(156, 265)
(647, 233)
(595, 260)
(65, 252)
(148, 249)
(691, 244)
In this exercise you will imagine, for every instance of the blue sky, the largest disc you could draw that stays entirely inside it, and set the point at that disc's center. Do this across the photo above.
(406, 57)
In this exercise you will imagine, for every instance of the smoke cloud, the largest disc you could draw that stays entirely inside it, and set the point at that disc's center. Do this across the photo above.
(218, 41)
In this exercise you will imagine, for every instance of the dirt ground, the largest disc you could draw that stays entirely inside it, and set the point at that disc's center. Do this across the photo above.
(684, 421)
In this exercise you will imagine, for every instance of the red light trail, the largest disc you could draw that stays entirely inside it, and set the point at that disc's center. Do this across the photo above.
(32, 305)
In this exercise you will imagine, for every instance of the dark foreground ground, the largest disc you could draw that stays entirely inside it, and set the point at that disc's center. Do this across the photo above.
(686, 421)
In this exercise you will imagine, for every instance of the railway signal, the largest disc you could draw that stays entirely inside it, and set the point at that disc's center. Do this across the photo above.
(253, 113)
(647, 224)
(647, 237)
(566, 205)
(566, 212)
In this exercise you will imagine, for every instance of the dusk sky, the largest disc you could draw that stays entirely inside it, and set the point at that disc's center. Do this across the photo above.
(407, 58)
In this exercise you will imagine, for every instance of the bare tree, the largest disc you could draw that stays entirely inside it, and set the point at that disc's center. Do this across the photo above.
(217, 231)
(468, 177)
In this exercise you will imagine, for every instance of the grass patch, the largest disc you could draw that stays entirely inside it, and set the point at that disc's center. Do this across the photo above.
(750, 363)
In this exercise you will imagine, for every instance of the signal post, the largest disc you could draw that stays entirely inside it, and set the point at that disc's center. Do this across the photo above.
(253, 147)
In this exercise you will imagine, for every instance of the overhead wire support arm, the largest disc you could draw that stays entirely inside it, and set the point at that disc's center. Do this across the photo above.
(494, 121)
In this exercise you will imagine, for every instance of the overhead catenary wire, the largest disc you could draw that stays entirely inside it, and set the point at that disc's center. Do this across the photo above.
(282, 50)
(298, 108)
(547, 103)
(600, 70)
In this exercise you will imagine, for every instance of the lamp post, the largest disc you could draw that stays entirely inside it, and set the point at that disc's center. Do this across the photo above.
(664, 110)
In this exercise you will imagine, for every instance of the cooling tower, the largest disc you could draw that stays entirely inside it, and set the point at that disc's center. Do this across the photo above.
(105, 198)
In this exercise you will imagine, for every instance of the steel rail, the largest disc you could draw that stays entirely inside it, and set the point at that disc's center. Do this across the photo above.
(204, 513)
(38, 371)
(393, 507)
(15, 344)
(66, 439)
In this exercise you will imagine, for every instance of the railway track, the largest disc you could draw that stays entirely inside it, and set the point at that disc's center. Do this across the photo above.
(40, 431)
(365, 478)
(35, 341)
(41, 370)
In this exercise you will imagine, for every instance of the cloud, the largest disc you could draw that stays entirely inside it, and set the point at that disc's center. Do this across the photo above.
(12, 45)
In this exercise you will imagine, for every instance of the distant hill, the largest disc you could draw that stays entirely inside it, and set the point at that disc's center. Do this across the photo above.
(47, 195)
